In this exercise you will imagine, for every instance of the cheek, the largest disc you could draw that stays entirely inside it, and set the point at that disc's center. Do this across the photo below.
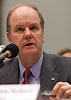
(40, 41)
(40, 38)
(15, 38)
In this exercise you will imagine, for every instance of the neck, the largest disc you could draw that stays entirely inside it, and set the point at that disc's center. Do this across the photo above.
(29, 61)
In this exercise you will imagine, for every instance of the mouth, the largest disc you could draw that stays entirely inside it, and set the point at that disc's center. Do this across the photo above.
(28, 44)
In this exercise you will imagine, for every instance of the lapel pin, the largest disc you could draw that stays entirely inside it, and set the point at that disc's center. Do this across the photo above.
(52, 78)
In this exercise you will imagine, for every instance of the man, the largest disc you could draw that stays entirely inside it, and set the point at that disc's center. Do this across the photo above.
(25, 28)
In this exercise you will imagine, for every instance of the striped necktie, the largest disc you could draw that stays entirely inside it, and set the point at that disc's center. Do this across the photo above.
(27, 73)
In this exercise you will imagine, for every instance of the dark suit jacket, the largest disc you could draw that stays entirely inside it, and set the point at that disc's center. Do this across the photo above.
(54, 69)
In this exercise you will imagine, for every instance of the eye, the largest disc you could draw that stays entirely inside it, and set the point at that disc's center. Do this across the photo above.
(20, 29)
(33, 27)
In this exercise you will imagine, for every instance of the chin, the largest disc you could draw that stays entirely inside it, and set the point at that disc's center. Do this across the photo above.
(31, 52)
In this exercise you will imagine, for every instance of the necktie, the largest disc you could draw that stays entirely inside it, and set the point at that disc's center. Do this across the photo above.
(26, 78)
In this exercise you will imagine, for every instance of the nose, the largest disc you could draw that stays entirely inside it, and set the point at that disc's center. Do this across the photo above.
(28, 35)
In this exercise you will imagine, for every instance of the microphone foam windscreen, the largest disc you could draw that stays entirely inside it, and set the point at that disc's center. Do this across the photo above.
(13, 48)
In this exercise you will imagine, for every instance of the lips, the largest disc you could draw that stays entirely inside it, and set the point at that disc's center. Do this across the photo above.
(28, 44)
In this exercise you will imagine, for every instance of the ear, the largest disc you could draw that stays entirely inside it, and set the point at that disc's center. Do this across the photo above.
(43, 38)
(9, 37)
(43, 41)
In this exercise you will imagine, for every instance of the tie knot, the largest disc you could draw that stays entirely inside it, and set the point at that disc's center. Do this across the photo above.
(27, 73)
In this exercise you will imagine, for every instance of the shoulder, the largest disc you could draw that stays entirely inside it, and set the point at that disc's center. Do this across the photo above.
(56, 59)
(9, 63)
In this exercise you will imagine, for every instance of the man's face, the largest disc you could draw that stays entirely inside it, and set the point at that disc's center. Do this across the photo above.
(26, 31)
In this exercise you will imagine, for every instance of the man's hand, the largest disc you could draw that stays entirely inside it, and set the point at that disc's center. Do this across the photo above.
(62, 90)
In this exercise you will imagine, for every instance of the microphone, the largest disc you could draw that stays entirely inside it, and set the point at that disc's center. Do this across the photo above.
(10, 51)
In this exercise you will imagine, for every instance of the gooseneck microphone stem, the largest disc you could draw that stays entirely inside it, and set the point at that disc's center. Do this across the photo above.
(3, 56)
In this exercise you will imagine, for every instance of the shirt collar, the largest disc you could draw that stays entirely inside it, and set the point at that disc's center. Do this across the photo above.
(34, 69)
(37, 68)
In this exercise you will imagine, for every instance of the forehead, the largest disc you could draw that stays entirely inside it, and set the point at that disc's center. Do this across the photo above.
(24, 12)
(68, 54)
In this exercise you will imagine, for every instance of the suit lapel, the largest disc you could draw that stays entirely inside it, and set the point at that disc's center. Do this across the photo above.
(9, 74)
(48, 76)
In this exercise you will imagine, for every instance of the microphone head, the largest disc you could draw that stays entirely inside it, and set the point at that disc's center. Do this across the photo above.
(13, 49)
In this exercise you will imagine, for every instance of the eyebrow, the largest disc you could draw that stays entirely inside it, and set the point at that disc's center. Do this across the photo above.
(18, 26)
(35, 24)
